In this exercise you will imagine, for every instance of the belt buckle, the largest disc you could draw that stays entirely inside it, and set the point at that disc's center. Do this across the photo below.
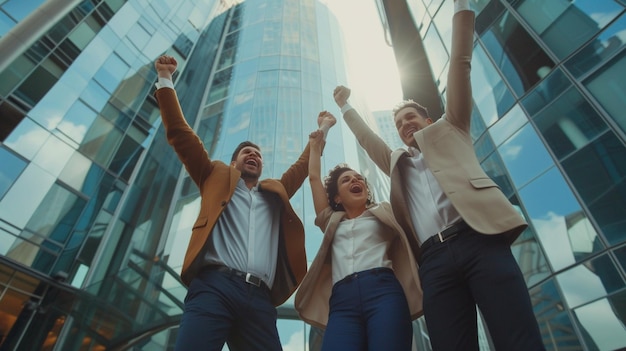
(250, 279)
(441, 238)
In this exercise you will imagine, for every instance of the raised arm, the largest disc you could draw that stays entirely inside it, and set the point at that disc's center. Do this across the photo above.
(325, 120)
(180, 135)
(373, 144)
(459, 90)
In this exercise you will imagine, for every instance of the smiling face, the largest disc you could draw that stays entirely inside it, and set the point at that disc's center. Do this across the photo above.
(249, 162)
(352, 191)
(409, 120)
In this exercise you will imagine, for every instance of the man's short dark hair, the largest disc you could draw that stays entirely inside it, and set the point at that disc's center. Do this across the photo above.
(241, 146)
(421, 110)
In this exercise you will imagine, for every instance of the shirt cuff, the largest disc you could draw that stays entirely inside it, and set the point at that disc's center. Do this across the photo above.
(345, 108)
(461, 5)
(164, 83)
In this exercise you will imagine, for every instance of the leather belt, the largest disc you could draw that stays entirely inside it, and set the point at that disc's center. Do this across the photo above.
(445, 234)
(247, 277)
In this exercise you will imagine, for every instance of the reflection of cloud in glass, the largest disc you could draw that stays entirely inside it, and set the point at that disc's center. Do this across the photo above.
(552, 232)
(601, 324)
(76, 132)
(602, 17)
(242, 125)
(580, 285)
(28, 143)
(296, 342)
(511, 151)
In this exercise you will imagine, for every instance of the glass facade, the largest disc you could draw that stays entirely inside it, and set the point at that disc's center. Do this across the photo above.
(95, 207)
(549, 128)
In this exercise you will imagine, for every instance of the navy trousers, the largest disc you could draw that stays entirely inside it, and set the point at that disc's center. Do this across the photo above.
(368, 311)
(221, 308)
(475, 269)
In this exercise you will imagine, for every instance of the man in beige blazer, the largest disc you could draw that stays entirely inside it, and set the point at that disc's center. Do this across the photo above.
(462, 225)
(246, 254)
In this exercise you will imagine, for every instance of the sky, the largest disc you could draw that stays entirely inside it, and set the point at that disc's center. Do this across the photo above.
(371, 64)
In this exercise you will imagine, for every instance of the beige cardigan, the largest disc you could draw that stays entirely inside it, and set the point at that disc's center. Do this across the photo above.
(312, 298)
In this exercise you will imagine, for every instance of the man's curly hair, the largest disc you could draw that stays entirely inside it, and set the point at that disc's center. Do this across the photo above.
(332, 189)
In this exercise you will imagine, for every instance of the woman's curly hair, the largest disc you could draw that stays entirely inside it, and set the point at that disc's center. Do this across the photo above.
(330, 183)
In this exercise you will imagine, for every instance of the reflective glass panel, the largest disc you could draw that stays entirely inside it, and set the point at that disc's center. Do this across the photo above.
(56, 214)
(53, 155)
(491, 96)
(437, 53)
(530, 258)
(11, 168)
(556, 327)
(101, 141)
(77, 121)
(516, 53)
(564, 25)
(569, 123)
(27, 138)
(599, 277)
(19, 9)
(596, 52)
(598, 172)
(525, 156)
(292, 334)
(602, 323)
(608, 86)
(564, 230)
(17, 208)
(508, 125)
(546, 91)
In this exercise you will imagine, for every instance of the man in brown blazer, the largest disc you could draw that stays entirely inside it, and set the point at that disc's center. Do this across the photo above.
(461, 223)
(246, 254)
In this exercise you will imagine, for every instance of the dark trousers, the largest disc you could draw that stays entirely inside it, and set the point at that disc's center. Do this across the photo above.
(368, 311)
(475, 269)
(222, 308)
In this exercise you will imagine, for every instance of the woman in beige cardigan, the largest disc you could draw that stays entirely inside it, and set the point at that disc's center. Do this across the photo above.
(359, 281)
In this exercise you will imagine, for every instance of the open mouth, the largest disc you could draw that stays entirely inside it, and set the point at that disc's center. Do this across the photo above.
(356, 188)
(252, 162)
(409, 133)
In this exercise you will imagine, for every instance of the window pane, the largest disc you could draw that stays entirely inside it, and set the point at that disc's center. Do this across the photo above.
(516, 53)
(598, 50)
(597, 168)
(609, 88)
(437, 53)
(56, 215)
(27, 138)
(564, 25)
(77, 121)
(565, 232)
(508, 125)
(101, 141)
(530, 258)
(525, 156)
(491, 96)
(602, 323)
(17, 208)
(598, 277)
(569, 123)
(11, 168)
(553, 318)
(546, 91)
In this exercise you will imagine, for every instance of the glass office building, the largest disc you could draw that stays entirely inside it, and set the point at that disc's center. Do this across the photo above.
(95, 208)
(549, 126)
